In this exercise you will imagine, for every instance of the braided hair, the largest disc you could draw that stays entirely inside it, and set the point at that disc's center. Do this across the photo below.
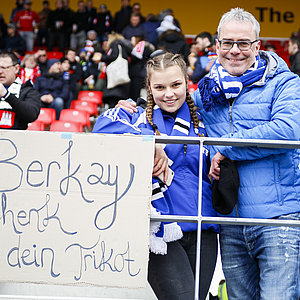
(161, 62)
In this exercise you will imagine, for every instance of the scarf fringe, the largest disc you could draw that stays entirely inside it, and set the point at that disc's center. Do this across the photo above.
(157, 245)
(172, 232)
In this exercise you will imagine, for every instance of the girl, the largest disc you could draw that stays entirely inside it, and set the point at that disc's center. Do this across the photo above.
(170, 111)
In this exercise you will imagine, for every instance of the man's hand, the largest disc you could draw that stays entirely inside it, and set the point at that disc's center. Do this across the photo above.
(129, 106)
(3, 90)
(215, 165)
(47, 98)
(160, 162)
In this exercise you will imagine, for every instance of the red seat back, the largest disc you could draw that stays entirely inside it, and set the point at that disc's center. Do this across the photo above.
(63, 126)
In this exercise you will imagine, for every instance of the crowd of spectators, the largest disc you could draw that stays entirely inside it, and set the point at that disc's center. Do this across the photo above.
(88, 40)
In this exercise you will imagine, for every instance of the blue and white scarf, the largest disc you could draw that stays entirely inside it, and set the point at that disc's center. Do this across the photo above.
(161, 204)
(219, 86)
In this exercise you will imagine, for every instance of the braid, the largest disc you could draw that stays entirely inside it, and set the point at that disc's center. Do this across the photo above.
(149, 111)
(192, 109)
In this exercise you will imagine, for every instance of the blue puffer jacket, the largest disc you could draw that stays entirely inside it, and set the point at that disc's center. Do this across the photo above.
(269, 109)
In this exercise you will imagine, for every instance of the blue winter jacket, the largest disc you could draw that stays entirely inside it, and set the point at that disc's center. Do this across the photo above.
(184, 187)
(268, 109)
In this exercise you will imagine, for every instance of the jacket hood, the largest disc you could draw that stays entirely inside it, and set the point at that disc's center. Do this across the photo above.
(171, 36)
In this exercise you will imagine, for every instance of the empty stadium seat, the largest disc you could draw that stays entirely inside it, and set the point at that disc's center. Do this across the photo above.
(63, 126)
(47, 115)
(92, 96)
(74, 115)
(36, 126)
(87, 106)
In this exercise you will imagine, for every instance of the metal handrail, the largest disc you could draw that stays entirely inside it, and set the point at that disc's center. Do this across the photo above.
(254, 143)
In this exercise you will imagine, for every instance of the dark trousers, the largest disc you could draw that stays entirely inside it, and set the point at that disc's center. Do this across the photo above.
(172, 276)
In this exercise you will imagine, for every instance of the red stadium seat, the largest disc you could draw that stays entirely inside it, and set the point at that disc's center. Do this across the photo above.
(36, 126)
(77, 116)
(192, 87)
(63, 126)
(47, 115)
(87, 106)
(54, 54)
(92, 96)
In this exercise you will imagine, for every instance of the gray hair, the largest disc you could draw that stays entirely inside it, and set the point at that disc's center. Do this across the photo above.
(239, 15)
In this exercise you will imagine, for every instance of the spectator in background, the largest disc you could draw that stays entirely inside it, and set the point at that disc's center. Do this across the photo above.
(53, 89)
(42, 35)
(13, 41)
(174, 41)
(104, 23)
(137, 72)
(69, 17)
(19, 6)
(294, 52)
(168, 12)
(122, 17)
(79, 26)
(167, 24)
(76, 73)
(19, 103)
(27, 20)
(3, 32)
(270, 47)
(29, 69)
(91, 45)
(91, 12)
(41, 59)
(57, 24)
(204, 62)
(150, 26)
(134, 28)
(136, 9)
(112, 96)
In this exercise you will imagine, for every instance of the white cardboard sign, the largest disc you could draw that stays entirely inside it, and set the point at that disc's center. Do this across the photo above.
(75, 208)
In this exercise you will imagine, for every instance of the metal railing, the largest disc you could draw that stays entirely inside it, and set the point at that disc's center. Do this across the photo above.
(256, 143)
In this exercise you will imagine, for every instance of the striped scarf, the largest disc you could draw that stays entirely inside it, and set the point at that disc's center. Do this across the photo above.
(161, 204)
(219, 86)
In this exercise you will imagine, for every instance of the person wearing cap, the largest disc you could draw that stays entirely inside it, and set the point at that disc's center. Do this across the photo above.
(19, 103)
(13, 41)
(26, 21)
(53, 89)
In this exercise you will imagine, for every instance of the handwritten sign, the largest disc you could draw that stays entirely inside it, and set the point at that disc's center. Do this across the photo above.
(75, 208)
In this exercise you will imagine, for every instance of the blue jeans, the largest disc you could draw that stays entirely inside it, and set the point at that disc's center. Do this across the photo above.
(261, 262)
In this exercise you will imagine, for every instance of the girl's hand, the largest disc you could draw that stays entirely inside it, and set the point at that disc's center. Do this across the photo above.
(160, 162)
(129, 106)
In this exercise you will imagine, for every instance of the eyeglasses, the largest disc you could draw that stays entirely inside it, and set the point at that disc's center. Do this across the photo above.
(242, 45)
(5, 68)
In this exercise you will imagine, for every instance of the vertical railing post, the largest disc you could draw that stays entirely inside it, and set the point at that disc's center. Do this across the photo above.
(199, 222)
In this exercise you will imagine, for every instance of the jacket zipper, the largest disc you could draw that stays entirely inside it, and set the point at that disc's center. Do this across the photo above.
(231, 131)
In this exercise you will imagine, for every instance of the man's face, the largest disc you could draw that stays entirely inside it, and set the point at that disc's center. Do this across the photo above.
(201, 43)
(8, 72)
(235, 61)
(42, 58)
(55, 68)
(135, 20)
(71, 55)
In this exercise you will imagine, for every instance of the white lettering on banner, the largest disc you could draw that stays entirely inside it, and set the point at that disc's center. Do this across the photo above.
(70, 207)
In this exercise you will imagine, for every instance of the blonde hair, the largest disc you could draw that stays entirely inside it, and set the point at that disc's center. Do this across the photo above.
(113, 37)
(162, 62)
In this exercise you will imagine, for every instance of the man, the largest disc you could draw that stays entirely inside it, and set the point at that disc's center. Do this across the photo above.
(294, 52)
(54, 90)
(135, 28)
(58, 24)
(13, 41)
(42, 35)
(26, 21)
(122, 17)
(251, 94)
(204, 62)
(19, 103)
(41, 58)
(80, 26)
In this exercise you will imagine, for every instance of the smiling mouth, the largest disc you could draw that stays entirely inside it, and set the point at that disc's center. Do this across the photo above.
(170, 101)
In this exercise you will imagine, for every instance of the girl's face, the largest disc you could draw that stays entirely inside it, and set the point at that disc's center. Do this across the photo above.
(168, 88)
(30, 62)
